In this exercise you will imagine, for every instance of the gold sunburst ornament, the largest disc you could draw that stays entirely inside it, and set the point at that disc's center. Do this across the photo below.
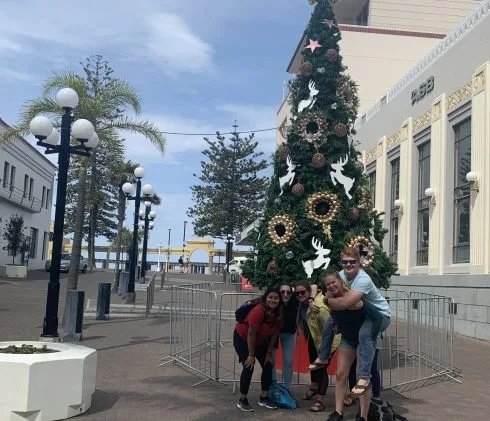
(365, 248)
(281, 229)
(323, 207)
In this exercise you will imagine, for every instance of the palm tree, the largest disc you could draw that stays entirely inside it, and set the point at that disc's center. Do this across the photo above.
(104, 101)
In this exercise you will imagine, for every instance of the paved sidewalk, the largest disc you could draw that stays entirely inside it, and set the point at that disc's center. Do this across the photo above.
(131, 386)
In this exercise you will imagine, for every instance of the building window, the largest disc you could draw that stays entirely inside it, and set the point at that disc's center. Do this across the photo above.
(395, 192)
(462, 165)
(26, 186)
(284, 129)
(363, 16)
(12, 177)
(423, 205)
(372, 187)
(6, 174)
(45, 244)
(43, 197)
(34, 234)
(31, 188)
(48, 198)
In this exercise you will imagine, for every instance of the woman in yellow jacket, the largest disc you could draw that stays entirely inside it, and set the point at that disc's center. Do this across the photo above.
(311, 324)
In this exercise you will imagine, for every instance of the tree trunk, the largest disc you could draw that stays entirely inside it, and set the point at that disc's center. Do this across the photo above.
(93, 212)
(76, 250)
(121, 214)
(91, 239)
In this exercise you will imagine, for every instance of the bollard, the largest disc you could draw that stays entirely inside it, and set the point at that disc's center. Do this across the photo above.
(72, 330)
(162, 278)
(123, 284)
(103, 301)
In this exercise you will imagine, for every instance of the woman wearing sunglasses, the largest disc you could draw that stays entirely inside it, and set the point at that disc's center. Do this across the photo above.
(311, 323)
(287, 335)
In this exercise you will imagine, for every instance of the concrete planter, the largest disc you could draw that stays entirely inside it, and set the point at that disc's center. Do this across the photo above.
(46, 387)
(13, 271)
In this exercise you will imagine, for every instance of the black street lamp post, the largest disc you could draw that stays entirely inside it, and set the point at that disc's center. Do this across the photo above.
(229, 253)
(128, 190)
(48, 137)
(147, 216)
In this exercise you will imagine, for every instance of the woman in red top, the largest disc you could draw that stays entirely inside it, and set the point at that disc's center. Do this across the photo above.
(253, 339)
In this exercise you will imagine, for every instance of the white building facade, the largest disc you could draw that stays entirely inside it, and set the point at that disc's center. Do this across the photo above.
(26, 188)
(426, 151)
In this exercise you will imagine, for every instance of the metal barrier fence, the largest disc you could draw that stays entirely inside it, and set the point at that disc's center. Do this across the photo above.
(417, 346)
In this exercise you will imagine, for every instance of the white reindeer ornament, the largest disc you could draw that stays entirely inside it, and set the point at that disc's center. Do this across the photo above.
(289, 177)
(308, 103)
(337, 175)
(320, 261)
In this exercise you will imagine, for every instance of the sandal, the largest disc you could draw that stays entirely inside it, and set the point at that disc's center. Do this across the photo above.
(317, 407)
(349, 400)
(309, 395)
(316, 365)
(362, 387)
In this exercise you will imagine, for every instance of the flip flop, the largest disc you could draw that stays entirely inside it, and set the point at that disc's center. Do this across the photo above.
(362, 387)
(317, 407)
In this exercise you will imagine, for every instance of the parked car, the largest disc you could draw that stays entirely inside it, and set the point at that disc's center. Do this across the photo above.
(65, 263)
(236, 265)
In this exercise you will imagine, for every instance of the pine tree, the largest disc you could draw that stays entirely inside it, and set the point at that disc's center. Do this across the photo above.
(318, 201)
(231, 193)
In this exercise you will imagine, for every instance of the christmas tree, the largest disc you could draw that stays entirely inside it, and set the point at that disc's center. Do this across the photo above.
(318, 201)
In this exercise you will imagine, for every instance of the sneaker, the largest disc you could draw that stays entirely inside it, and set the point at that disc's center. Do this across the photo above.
(244, 405)
(335, 416)
(267, 403)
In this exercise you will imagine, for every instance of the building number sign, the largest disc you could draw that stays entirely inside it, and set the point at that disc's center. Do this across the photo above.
(424, 89)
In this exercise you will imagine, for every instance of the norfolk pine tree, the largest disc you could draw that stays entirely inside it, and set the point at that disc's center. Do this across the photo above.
(318, 201)
(231, 193)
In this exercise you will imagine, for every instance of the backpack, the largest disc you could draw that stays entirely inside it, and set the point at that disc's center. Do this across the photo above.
(383, 411)
(242, 311)
(281, 396)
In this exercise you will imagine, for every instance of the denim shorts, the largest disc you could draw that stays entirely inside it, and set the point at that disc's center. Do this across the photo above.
(345, 343)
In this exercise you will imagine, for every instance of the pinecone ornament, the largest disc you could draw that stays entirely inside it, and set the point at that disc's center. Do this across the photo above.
(318, 160)
(298, 189)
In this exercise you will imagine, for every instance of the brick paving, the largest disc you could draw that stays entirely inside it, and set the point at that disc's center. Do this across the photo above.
(131, 386)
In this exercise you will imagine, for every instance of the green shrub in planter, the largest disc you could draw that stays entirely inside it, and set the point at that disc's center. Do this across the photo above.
(26, 349)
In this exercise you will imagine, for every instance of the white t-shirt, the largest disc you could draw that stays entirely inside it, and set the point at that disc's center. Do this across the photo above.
(363, 283)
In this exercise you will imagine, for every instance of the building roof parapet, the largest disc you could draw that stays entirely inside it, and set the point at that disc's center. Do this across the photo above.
(433, 55)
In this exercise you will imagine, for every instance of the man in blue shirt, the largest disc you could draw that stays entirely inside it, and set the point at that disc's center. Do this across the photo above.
(361, 288)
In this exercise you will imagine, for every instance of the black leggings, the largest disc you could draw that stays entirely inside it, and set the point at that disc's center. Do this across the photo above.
(320, 377)
(375, 377)
(241, 349)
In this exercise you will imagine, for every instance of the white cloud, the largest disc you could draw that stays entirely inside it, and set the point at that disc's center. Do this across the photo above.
(175, 47)
(138, 148)
(12, 75)
(163, 38)
(253, 117)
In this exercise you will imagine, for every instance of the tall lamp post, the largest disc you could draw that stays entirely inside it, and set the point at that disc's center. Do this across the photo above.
(229, 253)
(129, 190)
(146, 217)
(48, 137)
(168, 250)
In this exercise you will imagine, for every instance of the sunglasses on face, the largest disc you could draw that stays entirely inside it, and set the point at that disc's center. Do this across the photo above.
(349, 262)
(300, 293)
(286, 292)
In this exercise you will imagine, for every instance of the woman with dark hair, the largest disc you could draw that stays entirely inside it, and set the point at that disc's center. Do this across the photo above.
(311, 323)
(253, 340)
(287, 334)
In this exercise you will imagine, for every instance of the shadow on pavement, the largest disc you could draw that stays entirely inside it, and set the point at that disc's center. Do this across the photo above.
(102, 401)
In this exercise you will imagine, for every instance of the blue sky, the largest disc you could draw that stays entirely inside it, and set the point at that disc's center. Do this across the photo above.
(198, 66)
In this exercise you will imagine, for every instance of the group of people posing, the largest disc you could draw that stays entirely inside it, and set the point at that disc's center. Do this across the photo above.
(348, 317)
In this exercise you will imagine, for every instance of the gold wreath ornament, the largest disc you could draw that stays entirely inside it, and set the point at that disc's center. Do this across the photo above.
(323, 218)
(365, 248)
(281, 229)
